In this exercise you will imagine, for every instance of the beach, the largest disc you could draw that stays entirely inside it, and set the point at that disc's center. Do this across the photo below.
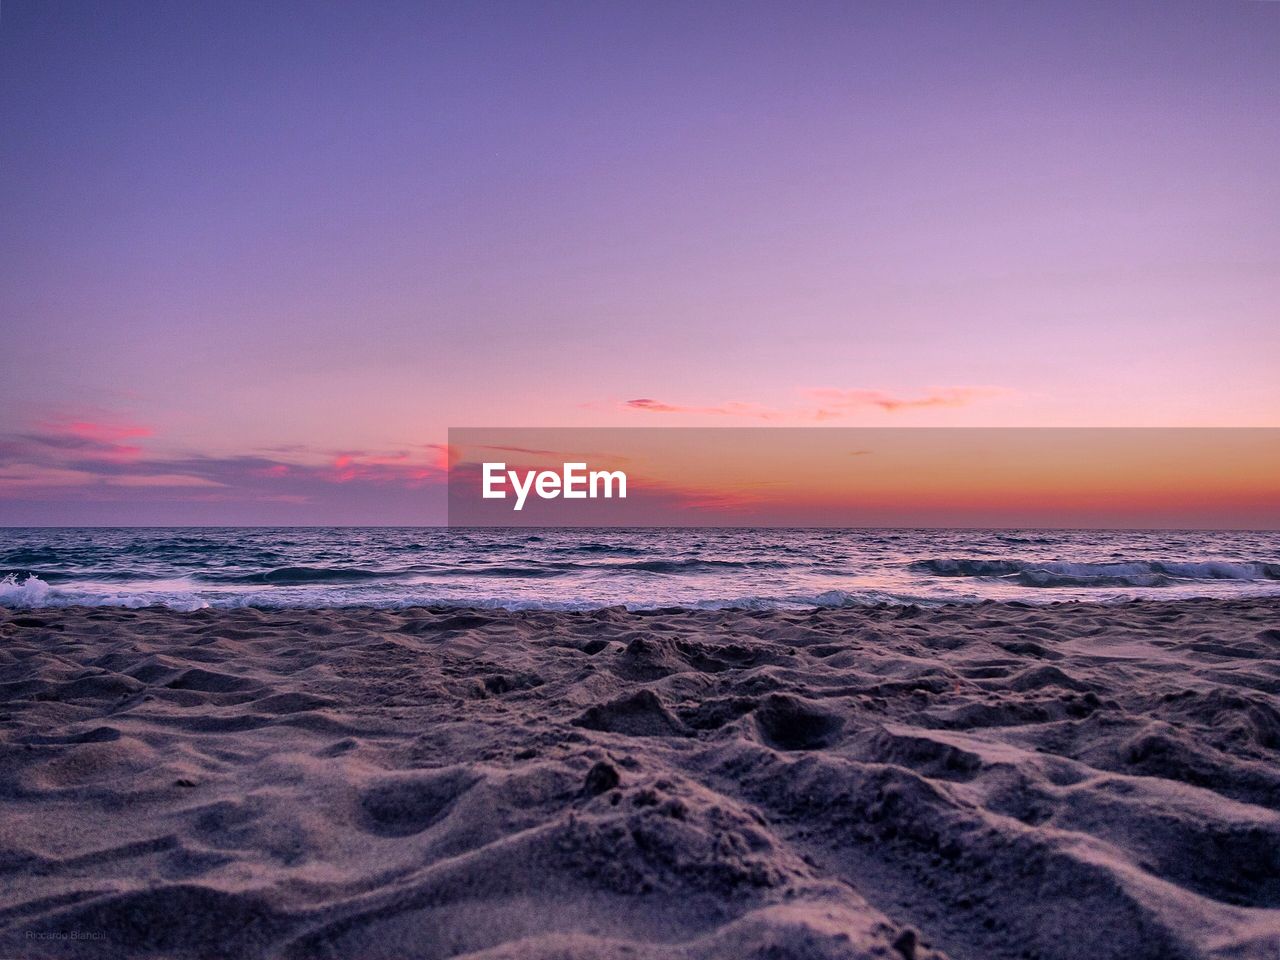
(984, 780)
(631, 481)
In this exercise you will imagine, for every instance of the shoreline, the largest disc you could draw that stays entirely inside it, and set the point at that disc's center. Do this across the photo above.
(986, 780)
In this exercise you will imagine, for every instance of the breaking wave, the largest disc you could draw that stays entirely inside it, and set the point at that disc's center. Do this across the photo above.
(1056, 573)
(296, 576)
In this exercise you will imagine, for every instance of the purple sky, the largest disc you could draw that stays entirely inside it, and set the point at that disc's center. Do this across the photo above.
(256, 258)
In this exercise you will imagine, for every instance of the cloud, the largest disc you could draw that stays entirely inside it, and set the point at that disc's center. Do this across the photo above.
(835, 401)
(529, 451)
(535, 458)
(30, 476)
(159, 480)
(399, 467)
(86, 439)
(72, 457)
(831, 404)
(732, 408)
(95, 430)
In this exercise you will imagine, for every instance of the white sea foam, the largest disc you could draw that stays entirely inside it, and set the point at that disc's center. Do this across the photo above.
(28, 592)
(31, 592)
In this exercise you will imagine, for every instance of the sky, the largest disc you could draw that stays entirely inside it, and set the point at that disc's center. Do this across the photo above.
(256, 259)
(823, 476)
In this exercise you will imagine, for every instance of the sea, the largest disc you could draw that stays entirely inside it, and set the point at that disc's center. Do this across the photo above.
(580, 569)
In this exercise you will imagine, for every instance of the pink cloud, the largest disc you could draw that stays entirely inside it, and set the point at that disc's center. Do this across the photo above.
(82, 455)
(92, 430)
(441, 453)
(834, 400)
(732, 408)
(833, 403)
(396, 467)
(91, 439)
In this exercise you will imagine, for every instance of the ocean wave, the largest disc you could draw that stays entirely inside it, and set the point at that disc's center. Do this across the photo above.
(35, 593)
(29, 591)
(25, 556)
(577, 548)
(579, 570)
(95, 574)
(545, 569)
(693, 565)
(298, 576)
(505, 572)
(1137, 573)
(32, 592)
(20, 573)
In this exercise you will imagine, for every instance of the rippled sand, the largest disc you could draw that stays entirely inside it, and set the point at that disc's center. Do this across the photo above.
(978, 782)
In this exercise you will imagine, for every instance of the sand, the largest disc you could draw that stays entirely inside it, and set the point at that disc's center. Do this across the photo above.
(991, 781)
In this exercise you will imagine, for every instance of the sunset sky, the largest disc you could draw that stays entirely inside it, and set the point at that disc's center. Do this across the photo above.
(877, 477)
(256, 259)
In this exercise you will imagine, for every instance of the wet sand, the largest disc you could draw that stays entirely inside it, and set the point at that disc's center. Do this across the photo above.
(980, 782)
